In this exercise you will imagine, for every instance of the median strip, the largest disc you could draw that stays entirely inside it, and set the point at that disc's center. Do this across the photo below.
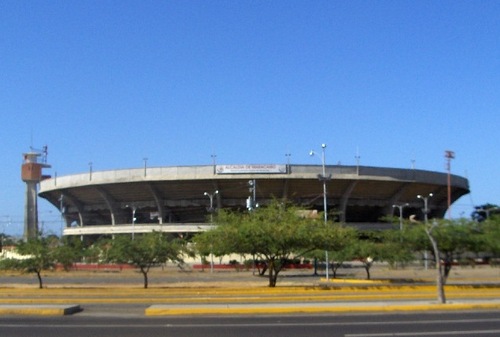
(39, 309)
(279, 308)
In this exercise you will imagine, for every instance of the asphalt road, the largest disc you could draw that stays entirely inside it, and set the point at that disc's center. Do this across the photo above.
(471, 324)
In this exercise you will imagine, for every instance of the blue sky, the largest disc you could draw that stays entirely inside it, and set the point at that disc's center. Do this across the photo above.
(113, 82)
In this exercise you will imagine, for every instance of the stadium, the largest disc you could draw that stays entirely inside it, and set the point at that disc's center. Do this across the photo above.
(181, 199)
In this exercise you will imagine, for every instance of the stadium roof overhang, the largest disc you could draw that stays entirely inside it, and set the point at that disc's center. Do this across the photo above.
(167, 195)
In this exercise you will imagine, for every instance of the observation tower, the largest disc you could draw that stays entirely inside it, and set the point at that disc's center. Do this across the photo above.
(31, 174)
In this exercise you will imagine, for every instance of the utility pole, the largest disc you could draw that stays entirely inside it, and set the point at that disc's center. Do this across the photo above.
(449, 155)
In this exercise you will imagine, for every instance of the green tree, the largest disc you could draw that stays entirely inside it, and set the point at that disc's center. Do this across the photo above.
(367, 249)
(38, 255)
(338, 240)
(69, 251)
(489, 232)
(484, 212)
(145, 251)
(447, 240)
(273, 234)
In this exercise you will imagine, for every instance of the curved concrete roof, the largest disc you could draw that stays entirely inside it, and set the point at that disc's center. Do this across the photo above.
(173, 199)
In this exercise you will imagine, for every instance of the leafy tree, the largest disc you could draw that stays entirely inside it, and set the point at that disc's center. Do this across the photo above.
(447, 240)
(39, 255)
(489, 232)
(69, 251)
(340, 256)
(395, 250)
(272, 234)
(367, 249)
(145, 251)
(338, 241)
(483, 212)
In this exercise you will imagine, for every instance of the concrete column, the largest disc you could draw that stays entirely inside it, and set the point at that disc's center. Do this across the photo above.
(30, 211)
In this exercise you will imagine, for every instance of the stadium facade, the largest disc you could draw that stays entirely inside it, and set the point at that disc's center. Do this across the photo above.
(180, 199)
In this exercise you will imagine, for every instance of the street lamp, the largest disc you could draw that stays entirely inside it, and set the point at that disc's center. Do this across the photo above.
(426, 206)
(426, 217)
(324, 178)
(251, 200)
(401, 214)
(211, 210)
(134, 209)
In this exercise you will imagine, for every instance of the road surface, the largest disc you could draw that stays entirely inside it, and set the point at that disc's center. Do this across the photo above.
(464, 324)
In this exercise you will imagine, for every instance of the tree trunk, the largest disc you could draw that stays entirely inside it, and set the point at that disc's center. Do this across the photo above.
(273, 273)
(335, 267)
(272, 277)
(439, 269)
(448, 264)
(145, 275)
(40, 282)
(440, 284)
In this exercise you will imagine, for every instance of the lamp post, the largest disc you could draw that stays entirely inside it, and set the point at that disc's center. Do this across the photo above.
(61, 209)
(449, 155)
(426, 206)
(324, 178)
(251, 202)
(211, 210)
(134, 209)
(426, 217)
(400, 207)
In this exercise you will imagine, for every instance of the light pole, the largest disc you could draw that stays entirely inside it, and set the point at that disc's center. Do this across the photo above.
(211, 211)
(324, 178)
(251, 200)
(449, 155)
(61, 209)
(134, 209)
(426, 218)
(145, 165)
(401, 214)
(426, 206)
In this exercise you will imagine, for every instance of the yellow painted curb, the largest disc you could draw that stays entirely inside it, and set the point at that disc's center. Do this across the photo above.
(39, 310)
(289, 310)
(354, 281)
